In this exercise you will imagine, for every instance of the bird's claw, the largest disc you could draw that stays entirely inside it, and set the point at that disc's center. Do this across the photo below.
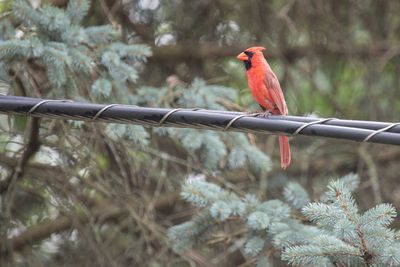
(253, 113)
(266, 114)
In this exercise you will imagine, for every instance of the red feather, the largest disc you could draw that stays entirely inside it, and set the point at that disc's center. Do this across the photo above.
(266, 90)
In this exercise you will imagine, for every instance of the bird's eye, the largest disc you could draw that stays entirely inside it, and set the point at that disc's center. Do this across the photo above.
(248, 53)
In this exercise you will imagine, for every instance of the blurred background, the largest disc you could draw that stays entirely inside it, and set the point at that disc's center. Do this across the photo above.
(99, 201)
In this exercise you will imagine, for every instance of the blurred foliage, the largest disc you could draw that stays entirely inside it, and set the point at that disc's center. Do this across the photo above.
(89, 194)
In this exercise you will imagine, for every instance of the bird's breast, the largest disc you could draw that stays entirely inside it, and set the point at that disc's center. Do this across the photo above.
(256, 82)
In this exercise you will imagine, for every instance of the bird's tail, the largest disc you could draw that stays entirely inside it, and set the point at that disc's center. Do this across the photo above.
(285, 151)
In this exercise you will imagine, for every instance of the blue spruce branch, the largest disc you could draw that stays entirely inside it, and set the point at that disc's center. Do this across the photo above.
(338, 235)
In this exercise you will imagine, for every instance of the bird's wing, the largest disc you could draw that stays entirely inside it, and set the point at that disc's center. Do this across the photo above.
(274, 88)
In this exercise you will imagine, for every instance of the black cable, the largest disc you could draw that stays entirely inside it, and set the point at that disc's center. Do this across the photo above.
(369, 125)
(377, 132)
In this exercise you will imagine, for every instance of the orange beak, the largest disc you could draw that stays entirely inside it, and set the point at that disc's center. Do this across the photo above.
(242, 56)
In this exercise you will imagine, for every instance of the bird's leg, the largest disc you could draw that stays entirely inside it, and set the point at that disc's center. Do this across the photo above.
(266, 113)
(254, 113)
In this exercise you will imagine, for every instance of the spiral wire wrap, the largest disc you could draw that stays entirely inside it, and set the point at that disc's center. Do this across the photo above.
(199, 118)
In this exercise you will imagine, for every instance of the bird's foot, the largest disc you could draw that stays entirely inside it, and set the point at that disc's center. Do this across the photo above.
(254, 113)
(265, 114)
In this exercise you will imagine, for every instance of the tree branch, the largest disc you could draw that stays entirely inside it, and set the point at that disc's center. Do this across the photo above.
(8, 185)
(32, 146)
(103, 212)
(183, 52)
(35, 169)
(63, 222)
(372, 172)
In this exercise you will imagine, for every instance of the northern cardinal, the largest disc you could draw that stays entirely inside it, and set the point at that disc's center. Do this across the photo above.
(266, 90)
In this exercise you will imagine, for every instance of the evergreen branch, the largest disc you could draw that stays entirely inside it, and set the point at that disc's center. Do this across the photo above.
(56, 52)
(346, 202)
(103, 34)
(275, 209)
(77, 10)
(323, 214)
(382, 214)
(53, 22)
(132, 51)
(392, 255)
(200, 193)
(101, 87)
(80, 61)
(74, 36)
(313, 255)
(258, 220)
(254, 246)
(296, 195)
(341, 237)
(119, 70)
(221, 210)
(22, 10)
(339, 192)
(186, 235)
(12, 49)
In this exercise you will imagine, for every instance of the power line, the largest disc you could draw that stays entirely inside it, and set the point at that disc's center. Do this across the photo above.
(376, 132)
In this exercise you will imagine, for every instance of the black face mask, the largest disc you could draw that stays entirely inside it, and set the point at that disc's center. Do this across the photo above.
(247, 63)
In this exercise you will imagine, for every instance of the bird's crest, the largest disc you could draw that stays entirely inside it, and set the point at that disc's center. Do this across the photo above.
(255, 49)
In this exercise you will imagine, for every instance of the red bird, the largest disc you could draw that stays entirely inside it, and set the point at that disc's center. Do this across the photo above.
(266, 90)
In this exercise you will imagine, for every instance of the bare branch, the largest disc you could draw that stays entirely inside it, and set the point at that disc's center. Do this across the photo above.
(182, 52)
(372, 171)
(32, 146)
(103, 212)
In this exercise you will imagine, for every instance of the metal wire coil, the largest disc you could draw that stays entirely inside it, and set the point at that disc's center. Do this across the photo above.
(362, 131)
